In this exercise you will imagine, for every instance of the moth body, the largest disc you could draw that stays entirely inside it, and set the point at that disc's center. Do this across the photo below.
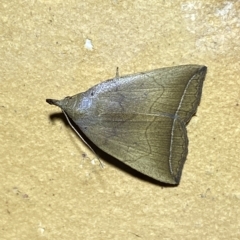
(140, 119)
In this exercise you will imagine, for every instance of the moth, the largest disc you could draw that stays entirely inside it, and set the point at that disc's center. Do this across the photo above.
(140, 119)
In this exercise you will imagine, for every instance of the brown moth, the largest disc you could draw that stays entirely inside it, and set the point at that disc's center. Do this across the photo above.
(141, 118)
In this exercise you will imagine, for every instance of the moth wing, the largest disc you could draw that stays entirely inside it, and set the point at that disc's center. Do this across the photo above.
(155, 145)
(174, 90)
(140, 118)
(182, 89)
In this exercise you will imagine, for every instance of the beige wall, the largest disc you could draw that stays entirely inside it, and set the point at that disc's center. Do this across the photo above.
(49, 189)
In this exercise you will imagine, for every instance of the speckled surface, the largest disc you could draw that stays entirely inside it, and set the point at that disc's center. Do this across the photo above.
(51, 184)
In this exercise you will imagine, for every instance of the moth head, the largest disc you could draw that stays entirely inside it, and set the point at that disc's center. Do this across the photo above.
(68, 105)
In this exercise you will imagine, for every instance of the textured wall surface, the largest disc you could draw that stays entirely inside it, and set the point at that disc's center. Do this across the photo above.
(51, 184)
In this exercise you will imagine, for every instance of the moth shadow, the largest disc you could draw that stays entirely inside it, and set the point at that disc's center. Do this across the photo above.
(56, 116)
(108, 158)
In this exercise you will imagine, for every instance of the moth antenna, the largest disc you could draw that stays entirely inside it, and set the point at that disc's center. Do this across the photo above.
(81, 136)
(117, 72)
